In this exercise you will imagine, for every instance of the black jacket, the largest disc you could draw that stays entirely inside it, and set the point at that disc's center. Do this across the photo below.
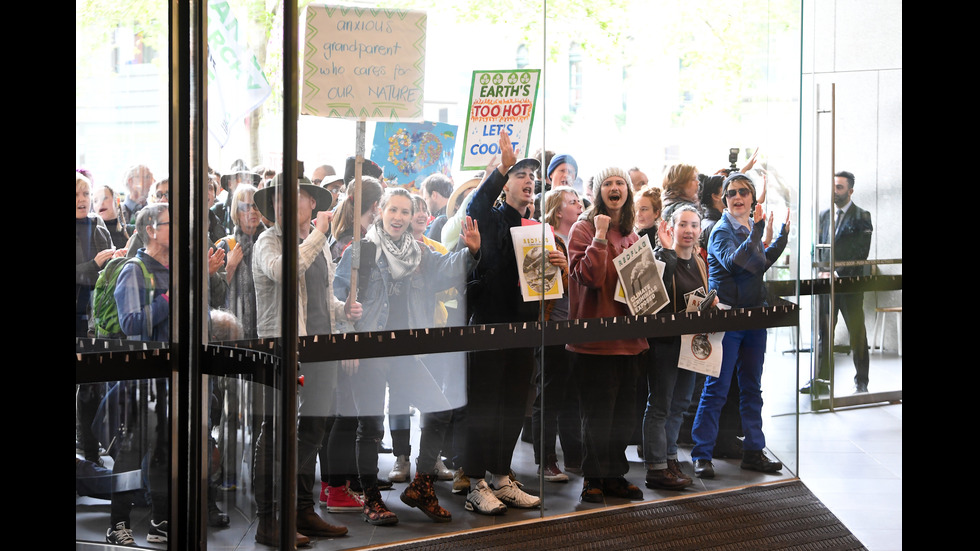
(852, 240)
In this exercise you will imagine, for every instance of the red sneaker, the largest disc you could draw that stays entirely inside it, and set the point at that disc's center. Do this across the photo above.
(340, 499)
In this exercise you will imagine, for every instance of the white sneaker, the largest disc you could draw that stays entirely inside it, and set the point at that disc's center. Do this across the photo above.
(482, 500)
(442, 472)
(513, 496)
(120, 535)
(401, 471)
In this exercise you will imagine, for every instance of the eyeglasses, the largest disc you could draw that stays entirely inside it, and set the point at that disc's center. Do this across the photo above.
(163, 195)
(316, 181)
(742, 191)
(158, 224)
(245, 207)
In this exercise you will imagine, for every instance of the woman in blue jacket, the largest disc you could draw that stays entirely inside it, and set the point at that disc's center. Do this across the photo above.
(737, 261)
(397, 284)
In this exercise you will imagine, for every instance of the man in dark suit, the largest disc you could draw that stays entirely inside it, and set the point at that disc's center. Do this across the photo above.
(852, 241)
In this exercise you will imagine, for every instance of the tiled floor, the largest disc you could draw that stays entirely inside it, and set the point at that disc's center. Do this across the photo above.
(851, 460)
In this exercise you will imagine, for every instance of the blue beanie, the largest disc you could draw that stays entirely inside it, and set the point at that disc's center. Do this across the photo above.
(559, 159)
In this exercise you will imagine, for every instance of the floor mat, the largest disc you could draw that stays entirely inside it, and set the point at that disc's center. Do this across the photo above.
(776, 516)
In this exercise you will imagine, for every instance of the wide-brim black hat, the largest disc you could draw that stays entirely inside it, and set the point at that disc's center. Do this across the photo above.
(265, 198)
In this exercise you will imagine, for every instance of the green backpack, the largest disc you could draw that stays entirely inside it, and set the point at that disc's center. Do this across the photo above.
(104, 301)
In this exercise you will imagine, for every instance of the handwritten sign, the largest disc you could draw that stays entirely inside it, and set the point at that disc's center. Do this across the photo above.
(499, 100)
(364, 64)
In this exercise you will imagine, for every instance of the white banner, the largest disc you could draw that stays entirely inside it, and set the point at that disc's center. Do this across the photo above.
(236, 83)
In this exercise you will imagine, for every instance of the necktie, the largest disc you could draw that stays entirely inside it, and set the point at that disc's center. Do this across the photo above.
(840, 214)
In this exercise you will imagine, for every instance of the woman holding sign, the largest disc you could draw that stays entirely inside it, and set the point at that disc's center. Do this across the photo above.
(607, 371)
(397, 284)
(685, 275)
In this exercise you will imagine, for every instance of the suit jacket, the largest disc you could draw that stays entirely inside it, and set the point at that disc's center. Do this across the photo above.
(852, 240)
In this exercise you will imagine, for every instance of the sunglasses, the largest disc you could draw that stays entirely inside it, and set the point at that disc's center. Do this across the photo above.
(744, 192)
(245, 207)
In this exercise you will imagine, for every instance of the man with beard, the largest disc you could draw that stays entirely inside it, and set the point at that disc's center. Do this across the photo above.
(852, 241)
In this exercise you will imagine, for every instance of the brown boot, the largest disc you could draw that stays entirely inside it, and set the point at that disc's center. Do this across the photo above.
(310, 524)
(421, 494)
(268, 532)
(375, 511)
(675, 467)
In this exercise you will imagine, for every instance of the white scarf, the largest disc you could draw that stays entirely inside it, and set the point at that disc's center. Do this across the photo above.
(403, 256)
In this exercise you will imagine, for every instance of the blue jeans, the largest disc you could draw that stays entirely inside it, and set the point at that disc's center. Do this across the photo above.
(749, 347)
(669, 394)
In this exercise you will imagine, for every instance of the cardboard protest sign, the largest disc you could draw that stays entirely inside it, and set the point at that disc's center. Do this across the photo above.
(410, 152)
(236, 83)
(499, 100)
(360, 63)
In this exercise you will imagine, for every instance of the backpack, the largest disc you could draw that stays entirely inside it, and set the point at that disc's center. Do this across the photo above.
(104, 301)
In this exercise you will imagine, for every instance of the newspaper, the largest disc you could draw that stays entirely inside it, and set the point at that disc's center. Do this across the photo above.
(641, 279)
(701, 353)
(530, 257)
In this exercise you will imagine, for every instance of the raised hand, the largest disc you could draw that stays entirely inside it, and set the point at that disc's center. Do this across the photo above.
(234, 259)
(508, 153)
(665, 236)
(601, 222)
(471, 235)
(323, 219)
(216, 257)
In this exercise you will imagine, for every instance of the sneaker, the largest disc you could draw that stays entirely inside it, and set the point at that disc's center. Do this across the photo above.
(461, 482)
(512, 496)
(341, 499)
(228, 485)
(216, 517)
(513, 478)
(592, 491)
(481, 499)
(158, 532)
(756, 460)
(401, 471)
(120, 535)
(552, 473)
(442, 472)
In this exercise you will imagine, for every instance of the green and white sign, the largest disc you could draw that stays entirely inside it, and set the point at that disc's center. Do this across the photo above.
(499, 101)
